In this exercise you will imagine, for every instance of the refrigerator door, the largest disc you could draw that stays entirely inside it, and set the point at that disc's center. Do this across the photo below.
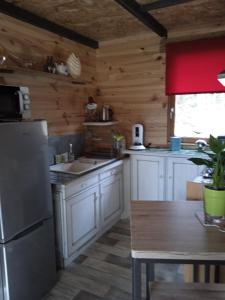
(28, 264)
(25, 192)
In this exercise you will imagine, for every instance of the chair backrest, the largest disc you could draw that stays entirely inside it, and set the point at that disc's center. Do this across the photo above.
(184, 291)
(194, 191)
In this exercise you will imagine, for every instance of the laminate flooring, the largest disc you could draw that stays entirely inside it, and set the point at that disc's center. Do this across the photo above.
(103, 271)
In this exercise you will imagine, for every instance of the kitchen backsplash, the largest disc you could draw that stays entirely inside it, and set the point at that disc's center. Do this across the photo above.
(60, 144)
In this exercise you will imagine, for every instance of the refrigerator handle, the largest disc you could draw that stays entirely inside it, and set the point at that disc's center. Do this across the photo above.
(28, 230)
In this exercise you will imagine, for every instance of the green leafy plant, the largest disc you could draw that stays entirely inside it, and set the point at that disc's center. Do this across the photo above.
(216, 161)
(118, 137)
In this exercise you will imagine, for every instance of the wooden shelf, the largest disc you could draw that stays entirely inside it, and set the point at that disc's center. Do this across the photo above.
(51, 76)
(100, 123)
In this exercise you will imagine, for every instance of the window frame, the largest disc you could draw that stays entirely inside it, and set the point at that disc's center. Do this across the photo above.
(171, 123)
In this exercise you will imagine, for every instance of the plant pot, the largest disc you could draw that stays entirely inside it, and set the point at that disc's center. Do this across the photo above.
(214, 204)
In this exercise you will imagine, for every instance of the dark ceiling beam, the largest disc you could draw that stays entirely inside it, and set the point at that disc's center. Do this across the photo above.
(135, 9)
(28, 17)
(162, 4)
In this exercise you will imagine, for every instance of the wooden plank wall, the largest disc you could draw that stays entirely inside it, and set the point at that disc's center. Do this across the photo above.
(131, 78)
(61, 103)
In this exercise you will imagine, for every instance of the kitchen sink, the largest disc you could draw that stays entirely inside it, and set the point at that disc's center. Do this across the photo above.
(81, 165)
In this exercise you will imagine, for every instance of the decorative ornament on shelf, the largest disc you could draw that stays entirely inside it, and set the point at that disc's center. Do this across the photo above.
(91, 112)
(50, 66)
(61, 69)
(74, 65)
(221, 77)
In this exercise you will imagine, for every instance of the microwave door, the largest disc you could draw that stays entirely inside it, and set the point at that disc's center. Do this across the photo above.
(10, 103)
(20, 98)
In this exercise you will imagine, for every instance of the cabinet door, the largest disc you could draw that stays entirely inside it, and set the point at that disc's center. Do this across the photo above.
(179, 171)
(82, 215)
(111, 199)
(147, 179)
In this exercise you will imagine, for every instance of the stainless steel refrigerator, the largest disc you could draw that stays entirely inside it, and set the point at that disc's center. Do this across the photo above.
(27, 252)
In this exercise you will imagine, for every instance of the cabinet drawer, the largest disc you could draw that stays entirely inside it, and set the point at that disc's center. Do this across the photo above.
(80, 185)
(108, 173)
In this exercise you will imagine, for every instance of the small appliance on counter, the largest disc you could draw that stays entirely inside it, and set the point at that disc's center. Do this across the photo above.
(201, 145)
(175, 143)
(137, 137)
(106, 113)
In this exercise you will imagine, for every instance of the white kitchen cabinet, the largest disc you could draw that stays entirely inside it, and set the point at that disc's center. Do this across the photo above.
(161, 177)
(111, 199)
(147, 178)
(85, 208)
(83, 218)
(179, 171)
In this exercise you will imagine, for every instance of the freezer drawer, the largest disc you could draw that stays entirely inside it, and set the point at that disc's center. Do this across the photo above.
(25, 192)
(28, 264)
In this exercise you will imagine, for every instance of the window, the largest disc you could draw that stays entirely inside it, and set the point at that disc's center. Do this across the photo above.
(194, 116)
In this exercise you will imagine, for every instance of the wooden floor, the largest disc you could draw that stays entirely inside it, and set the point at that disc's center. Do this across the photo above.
(103, 271)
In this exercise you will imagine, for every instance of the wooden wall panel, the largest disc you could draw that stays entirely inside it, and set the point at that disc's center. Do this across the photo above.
(131, 78)
(58, 101)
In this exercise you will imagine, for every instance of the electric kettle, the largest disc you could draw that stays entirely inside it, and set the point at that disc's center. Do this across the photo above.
(106, 113)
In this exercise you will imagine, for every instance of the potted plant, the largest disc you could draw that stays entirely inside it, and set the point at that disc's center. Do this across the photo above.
(214, 193)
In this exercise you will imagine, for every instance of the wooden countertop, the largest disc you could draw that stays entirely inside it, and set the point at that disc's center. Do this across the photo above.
(170, 230)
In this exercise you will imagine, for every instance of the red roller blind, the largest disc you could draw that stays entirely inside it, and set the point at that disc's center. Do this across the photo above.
(192, 67)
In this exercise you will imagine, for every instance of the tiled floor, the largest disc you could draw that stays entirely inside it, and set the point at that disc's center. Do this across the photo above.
(103, 271)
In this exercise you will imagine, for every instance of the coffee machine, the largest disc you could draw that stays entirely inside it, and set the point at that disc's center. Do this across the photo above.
(137, 137)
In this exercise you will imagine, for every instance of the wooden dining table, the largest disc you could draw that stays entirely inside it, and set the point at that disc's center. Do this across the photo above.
(169, 232)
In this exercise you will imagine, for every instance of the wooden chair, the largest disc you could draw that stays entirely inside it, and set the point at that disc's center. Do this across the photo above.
(187, 291)
(194, 191)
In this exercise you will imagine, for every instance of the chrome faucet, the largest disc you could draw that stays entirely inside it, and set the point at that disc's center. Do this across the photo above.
(70, 154)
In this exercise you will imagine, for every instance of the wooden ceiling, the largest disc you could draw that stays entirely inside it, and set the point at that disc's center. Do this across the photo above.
(105, 19)
(98, 19)
(192, 14)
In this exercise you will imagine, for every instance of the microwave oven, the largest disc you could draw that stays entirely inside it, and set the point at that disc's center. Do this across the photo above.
(14, 103)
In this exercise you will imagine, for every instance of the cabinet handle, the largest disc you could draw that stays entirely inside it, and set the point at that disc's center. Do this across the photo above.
(161, 176)
(170, 177)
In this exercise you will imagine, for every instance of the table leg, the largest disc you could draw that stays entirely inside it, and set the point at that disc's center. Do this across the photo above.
(207, 273)
(136, 279)
(150, 276)
(195, 272)
(217, 274)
